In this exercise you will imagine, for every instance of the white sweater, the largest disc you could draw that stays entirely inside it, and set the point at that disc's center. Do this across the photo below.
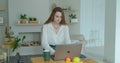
(50, 37)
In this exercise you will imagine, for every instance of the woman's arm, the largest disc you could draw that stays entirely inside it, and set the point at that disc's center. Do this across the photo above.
(67, 36)
(44, 40)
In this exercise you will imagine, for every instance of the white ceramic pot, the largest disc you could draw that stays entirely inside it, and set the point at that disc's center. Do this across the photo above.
(74, 20)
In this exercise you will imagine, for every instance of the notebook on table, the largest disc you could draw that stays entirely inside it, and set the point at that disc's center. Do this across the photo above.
(71, 50)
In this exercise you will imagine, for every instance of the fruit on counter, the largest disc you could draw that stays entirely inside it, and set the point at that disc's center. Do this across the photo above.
(76, 60)
(68, 60)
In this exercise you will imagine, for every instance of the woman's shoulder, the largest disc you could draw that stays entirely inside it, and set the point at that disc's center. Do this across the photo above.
(47, 25)
(64, 26)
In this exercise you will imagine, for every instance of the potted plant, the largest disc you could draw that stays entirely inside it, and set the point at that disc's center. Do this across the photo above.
(15, 44)
(11, 39)
(23, 18)
(33, 20)
(73, 18)
(30, 19)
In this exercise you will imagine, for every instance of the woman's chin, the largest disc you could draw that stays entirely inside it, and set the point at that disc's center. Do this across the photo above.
(57, 22)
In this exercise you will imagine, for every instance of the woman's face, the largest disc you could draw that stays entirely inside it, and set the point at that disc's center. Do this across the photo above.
(58, 17)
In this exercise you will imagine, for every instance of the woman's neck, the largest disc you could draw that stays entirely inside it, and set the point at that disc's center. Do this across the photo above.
(56, 26)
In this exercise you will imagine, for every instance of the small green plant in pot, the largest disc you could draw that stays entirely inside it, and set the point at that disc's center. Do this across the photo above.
(15, 44)
(73, 18)
(23, 18)
(30, 19)
(34, 19)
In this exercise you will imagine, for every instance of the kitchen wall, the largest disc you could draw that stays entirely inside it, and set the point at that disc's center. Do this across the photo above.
(111, 31)
(33, 8)
(1, 34)
(92, 18)
(4, 14)
(117, 43)
(3, 4)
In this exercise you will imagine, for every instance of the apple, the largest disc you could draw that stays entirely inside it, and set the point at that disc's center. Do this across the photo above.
(68, 62)
(68, 59)
(76, 59)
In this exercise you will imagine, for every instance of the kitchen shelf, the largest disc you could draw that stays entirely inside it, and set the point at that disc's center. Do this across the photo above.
(73, 23)
(28, 24)
(28, 27)
(68, 22)
(69, 10)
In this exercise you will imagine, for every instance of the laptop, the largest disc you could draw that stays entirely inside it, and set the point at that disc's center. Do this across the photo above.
(71, 50)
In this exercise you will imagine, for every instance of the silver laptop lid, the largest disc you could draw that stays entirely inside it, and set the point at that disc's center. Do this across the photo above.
(71, 50)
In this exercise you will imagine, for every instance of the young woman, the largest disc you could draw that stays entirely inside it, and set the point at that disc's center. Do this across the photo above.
(55, 31)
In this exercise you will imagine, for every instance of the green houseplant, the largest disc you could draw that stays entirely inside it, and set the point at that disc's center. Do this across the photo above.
(12, 40)
(30, 19)
(15, 44)
(23, 18)
(73, 18)
(33, 20)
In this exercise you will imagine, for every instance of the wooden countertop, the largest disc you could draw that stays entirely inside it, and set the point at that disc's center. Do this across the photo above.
(41, 60)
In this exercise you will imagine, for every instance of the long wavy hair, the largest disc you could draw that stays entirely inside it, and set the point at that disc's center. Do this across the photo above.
(51, 18)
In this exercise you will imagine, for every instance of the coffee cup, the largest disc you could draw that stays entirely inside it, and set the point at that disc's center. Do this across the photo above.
(46, 54)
